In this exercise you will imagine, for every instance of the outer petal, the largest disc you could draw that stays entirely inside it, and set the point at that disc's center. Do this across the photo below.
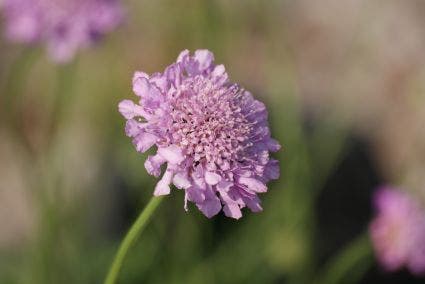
(126, 108)
(132, 128)
(204, 58)
(140, 80)
(231, 207)
(253, 203)
(163, 186)
(173, 75)
(232, 210)
(220, 75)
(153, 164)
(219, 71)
(272, 170)
(198, 177)
(195, 194)
(129, 109)
(172, 154)
(253, 184)
(160, 81)
(183, 56)
(149, 93)
(143, 141)
(224, 186)
(212, 205)
(212, 178)
(181, 180)
(273, 145)
(139, 74)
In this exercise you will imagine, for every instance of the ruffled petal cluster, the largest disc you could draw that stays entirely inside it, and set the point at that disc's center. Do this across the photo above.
(211, 135)
(398, 231)
(64, 25)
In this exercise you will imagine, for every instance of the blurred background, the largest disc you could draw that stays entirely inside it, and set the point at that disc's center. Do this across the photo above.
(344, 84)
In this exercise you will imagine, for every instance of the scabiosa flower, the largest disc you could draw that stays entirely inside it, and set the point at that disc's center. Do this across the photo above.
(398, 231)
(64, 25)
(212, 134)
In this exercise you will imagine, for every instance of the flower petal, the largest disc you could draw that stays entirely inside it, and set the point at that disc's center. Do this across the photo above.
(253, 184)
(153, 164)
(204, 58)
(181, 181)
(195, 194)
(232, 210)
(173, 74)
(172, 154)
(253, 204)
(127, 109)
(273, 145)
(159, 81)
(143, 141)
(183, 56)
(224, 186)
(140, 83)
(212, 178)
(163, 186)
(144, 89)
(272, 170)
(210, 207)
(220, 75)
(132, 128)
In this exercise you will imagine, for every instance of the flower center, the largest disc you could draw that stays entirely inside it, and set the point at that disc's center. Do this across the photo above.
(208, 123)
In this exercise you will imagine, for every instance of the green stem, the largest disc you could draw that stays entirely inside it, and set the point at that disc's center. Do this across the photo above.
(130, 238)
(354, 260)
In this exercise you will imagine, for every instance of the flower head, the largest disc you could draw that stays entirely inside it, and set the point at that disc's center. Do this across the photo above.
(64, 25)
(212, 134)
(398, 231)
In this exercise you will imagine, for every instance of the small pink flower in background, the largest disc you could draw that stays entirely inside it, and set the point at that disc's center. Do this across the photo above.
(212, 135)
(398, 231)
(64, 25)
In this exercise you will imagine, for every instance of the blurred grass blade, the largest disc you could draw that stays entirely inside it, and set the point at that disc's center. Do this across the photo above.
(350, 264)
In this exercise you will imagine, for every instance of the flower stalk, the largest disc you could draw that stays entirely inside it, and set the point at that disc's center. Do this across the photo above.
(131, 237)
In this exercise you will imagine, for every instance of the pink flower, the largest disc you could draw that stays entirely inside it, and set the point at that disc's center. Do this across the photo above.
(398, 231)
(212, 135)
(64, 25)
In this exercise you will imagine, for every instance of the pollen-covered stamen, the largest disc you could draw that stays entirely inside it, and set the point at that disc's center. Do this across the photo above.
(208, 122)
